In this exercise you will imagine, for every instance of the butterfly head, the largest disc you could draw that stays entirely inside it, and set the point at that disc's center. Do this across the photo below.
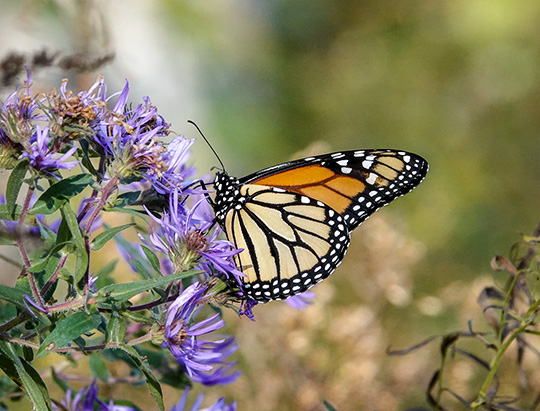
(227, 189)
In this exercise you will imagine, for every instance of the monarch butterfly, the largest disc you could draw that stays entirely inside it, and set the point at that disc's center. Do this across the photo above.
(294, 220)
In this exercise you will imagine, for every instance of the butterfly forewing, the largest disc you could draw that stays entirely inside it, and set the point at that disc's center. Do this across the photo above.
(293, 220)
(354, 183)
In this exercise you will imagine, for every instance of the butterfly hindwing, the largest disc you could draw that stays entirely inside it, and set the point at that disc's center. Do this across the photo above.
(290, 242)
(293, 220)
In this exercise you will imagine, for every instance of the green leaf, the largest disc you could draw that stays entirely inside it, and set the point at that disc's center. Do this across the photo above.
(99, 367)
(104, 237)
(329, 406)
(103, 275)
(60, 193)
(12, 295)
(124, 291)
(138, 317)
(8, 366)
(152, 258)
(151, 381)
(142, 269)
(14, 184)
(174, 376)
(47, 235)
(85, 159)
(10, 214)
(28, 378)
(116, 328)
(41, 264)
(59, 381)
(125, 199)
(7, 312)
(81, 265)
(142, 265)
(69, 329)
(136, 213)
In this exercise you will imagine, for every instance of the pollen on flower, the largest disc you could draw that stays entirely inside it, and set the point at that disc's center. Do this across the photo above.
(74, 108)
(182, 335)
(197, 241)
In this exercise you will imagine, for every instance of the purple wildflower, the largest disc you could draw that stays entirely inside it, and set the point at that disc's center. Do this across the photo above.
(190, 240)
(17, 114)
(83, 401)
(129, 138)
(301, 301)
(246, 308)
(28, 303)
(204, 361)
(43, 158)
(176, 172)
(10, 227)
(87, 400)
(77, 115)
(218, 406)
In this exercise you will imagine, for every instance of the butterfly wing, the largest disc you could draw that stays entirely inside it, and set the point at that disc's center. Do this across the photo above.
(293, 221)
(354, 183)
(289, 242)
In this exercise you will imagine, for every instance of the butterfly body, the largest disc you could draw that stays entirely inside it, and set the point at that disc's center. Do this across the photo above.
(293, 221)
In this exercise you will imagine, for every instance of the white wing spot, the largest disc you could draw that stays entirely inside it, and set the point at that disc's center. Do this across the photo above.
(372, 178)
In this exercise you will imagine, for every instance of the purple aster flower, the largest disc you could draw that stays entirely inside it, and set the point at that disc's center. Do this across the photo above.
(18, 113)
(77, 115)
(130, 139)
(10, 227)
(247, 307)
(87, 400)
(43, 158)
(176, 173)
(190, 240)
(301, 301)
(83, 401)
(220, 405)
(16, 116)
(204, 361)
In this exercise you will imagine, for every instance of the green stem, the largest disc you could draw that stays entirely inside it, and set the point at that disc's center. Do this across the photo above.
(105, 193)
(24, 254)
(18, 230)
(55, 275)
(494, 366)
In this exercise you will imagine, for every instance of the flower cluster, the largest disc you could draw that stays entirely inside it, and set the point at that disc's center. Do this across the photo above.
(204, 361)
(189, 238)
(86, 399)
(189, 271)
(121, 152)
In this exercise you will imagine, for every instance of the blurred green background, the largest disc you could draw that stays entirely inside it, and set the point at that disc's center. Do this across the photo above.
(457, 82)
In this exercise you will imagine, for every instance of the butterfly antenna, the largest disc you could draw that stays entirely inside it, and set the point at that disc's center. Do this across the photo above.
(207, 142)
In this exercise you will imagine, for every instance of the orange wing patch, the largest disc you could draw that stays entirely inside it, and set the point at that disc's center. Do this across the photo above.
(301, 176)
(319, 183)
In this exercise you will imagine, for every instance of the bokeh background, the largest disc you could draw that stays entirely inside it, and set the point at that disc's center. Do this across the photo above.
(456, 82)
